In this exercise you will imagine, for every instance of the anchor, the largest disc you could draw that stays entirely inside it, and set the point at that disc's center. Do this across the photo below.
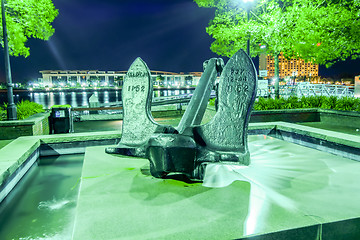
(189, 147)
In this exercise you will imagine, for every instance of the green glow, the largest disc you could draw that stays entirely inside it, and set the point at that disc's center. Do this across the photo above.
(293, 27)
(28, 19)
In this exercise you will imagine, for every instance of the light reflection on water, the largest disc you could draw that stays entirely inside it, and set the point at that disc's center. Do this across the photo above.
(106, 97)
(54, 204)
(78, 98)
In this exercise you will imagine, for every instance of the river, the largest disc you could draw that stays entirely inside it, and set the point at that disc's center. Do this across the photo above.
(78, 98)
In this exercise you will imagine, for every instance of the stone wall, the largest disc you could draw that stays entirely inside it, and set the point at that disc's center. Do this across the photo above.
(42, 127)
(37, 124)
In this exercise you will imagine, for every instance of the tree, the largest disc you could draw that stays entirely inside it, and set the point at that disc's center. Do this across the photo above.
(308, 29)
(28, 19)
(324, 37)
(266, 27)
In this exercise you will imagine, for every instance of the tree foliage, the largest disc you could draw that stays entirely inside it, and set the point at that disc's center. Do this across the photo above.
(27, 19)
(320, 31)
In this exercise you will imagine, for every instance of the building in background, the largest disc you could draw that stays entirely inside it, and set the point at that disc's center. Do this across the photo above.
(96, 78)
(357, 87)
(292, 68)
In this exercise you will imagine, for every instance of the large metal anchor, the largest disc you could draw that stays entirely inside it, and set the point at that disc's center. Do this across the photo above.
(189, 147)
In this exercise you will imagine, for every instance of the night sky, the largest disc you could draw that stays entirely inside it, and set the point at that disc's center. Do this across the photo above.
(169, 35)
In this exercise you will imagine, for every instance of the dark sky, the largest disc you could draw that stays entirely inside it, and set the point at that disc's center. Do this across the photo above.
(168, 35)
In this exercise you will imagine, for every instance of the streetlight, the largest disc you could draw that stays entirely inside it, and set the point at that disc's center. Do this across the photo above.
(248, 19)
(11, 108)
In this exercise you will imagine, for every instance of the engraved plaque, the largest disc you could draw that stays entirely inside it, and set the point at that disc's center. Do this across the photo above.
(138, 124)
(227, 131)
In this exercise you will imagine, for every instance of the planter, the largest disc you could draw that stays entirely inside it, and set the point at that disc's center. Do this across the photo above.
(334, 117)
(344, 118)
(37, 124)
(286, 115)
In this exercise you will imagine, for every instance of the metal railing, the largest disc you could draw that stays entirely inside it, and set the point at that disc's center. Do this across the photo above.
(306, 90)
(117, 107)
(299, 90)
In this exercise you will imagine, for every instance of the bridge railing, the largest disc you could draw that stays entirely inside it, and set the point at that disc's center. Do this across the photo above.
(301, 90)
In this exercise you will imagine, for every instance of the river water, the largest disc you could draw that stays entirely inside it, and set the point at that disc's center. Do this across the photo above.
(78, 98)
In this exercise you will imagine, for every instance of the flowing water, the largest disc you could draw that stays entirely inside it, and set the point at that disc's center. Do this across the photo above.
(299, 179)
(42, 206)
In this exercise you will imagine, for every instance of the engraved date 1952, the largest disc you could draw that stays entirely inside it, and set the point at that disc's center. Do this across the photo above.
(136, 88)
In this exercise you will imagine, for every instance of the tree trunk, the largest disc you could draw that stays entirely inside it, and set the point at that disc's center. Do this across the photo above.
(276, 74)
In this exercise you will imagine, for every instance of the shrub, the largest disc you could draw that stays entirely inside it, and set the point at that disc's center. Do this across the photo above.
(3, 115)
(27, 108)
(261, 104)
(311, 101)
(345, 104)
(293, 102)
(329, 102)
(332, 102)
(24, 109)
(280, 103)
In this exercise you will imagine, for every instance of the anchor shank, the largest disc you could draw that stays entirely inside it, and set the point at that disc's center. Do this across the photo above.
(198, 103)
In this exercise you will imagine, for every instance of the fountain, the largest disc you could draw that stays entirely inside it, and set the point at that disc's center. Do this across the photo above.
(301, 182)
(287, 192)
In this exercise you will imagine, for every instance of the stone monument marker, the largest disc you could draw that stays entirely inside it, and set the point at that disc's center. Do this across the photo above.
(224, 138)
(138, 123)
(188, 148)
